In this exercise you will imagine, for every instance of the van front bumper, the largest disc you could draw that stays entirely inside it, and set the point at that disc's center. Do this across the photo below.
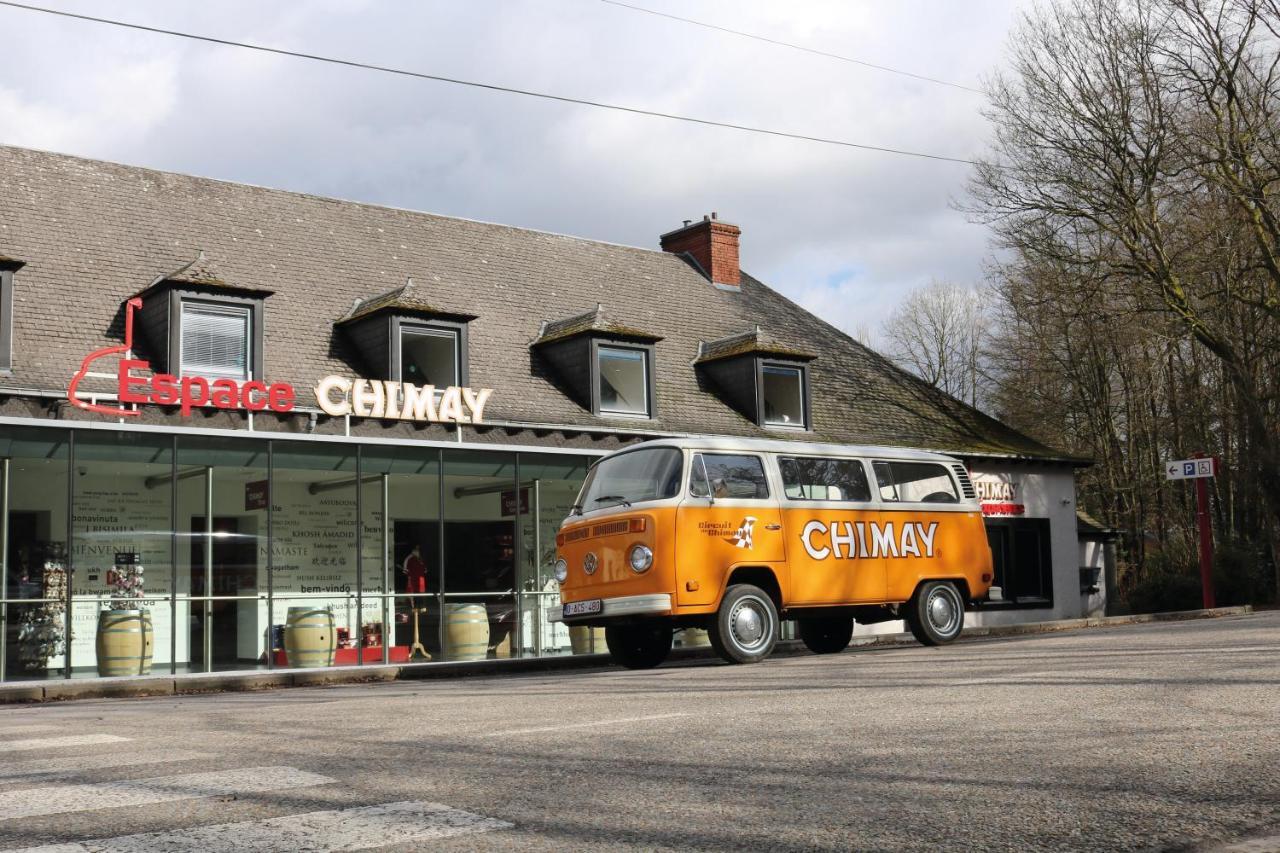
(625, 605)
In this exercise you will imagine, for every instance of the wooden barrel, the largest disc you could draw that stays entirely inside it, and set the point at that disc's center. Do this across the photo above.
(586, 641)
(309, 637)
(466, 631)
(124, 642)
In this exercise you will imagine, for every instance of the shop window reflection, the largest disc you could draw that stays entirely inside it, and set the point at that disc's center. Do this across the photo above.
(122, 553)
(316, 573)
(549, 484)
(397, 546)
(407, 481)
(479, 616)
(221, 522)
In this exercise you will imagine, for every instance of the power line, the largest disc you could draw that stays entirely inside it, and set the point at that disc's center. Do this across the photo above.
(800, 47)
(349, 63)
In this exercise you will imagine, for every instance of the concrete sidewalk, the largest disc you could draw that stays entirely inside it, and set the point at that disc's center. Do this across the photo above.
(171, 685)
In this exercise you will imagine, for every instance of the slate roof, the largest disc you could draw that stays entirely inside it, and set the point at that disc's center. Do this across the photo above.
(201, 274)
(93, 233)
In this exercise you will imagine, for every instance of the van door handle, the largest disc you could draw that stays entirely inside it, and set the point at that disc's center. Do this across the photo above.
(773, 527)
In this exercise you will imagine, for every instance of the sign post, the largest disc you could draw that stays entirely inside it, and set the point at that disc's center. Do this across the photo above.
(1199, 469)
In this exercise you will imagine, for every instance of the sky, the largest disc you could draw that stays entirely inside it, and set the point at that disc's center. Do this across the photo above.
(847, 233)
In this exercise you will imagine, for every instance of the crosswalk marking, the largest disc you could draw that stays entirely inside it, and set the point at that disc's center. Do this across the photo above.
(7, 730)
(48, 769)
(321, 832)
(59, 799)
(54, 742)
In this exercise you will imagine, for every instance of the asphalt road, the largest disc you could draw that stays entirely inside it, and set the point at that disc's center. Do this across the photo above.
(1161, 736)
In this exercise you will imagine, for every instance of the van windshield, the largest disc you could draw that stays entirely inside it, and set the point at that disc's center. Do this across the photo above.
(628, 478)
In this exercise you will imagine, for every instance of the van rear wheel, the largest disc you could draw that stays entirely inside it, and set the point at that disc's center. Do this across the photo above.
(935, 614)
(641, 646)
(826, 635)
(746, 626)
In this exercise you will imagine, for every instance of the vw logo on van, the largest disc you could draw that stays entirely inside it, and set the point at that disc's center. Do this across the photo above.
(590, 563)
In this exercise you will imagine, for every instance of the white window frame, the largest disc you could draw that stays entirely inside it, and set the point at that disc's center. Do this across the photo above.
(799, 373)
(245, 311)
(425, 331)
(598, 376)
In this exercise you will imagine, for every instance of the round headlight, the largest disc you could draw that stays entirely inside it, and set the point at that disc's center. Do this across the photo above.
(561, 570)
(641, 558)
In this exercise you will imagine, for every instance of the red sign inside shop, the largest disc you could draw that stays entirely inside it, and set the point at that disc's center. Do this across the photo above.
(164, 389)
(1003, 509)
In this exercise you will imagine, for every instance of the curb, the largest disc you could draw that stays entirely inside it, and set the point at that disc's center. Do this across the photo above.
(183, 685)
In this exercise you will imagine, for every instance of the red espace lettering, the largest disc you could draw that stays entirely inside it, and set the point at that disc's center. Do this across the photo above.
(191, 392)
(164, 389)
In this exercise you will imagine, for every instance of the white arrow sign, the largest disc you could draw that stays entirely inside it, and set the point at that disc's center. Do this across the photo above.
(1188, 469)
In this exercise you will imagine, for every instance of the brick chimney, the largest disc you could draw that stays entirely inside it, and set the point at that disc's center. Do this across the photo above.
(713, 244)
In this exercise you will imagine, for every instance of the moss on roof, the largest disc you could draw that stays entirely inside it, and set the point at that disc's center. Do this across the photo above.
(592, 322)
(406, 299)
(754, 341)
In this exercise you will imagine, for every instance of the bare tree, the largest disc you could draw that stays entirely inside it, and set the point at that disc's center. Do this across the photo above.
(1135, 182)
(938, 333)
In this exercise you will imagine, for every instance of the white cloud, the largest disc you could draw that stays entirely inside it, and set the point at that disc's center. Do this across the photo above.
(846, 232)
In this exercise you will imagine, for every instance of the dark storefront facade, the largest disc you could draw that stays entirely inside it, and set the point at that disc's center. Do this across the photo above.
(231, 407)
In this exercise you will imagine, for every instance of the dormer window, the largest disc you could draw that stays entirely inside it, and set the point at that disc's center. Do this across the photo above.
(430, 355)
(783, 395)
(764, 380)
(216, 340)
(401, 335)
(623, 380)
(194, 323)
(604, 365)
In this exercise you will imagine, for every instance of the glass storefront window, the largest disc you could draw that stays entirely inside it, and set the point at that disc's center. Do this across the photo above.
(221, 523)
(210, 551)
(549, 484)
(403, 549)
(316, 571)
(479, 616)
(122, 553)
(33, 615)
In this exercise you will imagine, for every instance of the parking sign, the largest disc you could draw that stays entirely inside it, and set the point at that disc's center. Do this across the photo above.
(1188, 469)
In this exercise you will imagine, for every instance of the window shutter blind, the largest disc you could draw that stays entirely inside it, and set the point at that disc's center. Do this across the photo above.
(215, 341)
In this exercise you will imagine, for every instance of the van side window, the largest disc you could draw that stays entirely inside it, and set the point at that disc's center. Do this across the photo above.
(811, 479)
(729, 476)
(916, 482)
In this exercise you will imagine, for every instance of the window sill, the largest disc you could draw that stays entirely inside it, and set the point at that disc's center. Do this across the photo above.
(630, 416)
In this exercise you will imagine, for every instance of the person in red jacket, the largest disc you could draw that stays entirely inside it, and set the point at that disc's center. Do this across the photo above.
(416, 571)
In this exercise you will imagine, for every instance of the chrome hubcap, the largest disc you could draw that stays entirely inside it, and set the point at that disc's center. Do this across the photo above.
(749, 624)
(943, 612)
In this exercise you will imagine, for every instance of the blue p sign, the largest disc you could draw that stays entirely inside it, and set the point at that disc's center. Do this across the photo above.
(1189, 469)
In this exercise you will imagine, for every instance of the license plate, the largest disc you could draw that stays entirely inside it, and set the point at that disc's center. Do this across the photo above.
(583, 608)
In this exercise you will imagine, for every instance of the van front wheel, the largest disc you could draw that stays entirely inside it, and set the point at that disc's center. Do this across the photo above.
(745, 629)
(935, 614)
(826, 635)
(641, 646)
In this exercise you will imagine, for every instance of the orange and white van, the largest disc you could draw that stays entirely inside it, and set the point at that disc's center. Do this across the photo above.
(733, 535)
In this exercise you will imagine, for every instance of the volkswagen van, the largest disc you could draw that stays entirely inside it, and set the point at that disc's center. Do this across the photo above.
(735, 535)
